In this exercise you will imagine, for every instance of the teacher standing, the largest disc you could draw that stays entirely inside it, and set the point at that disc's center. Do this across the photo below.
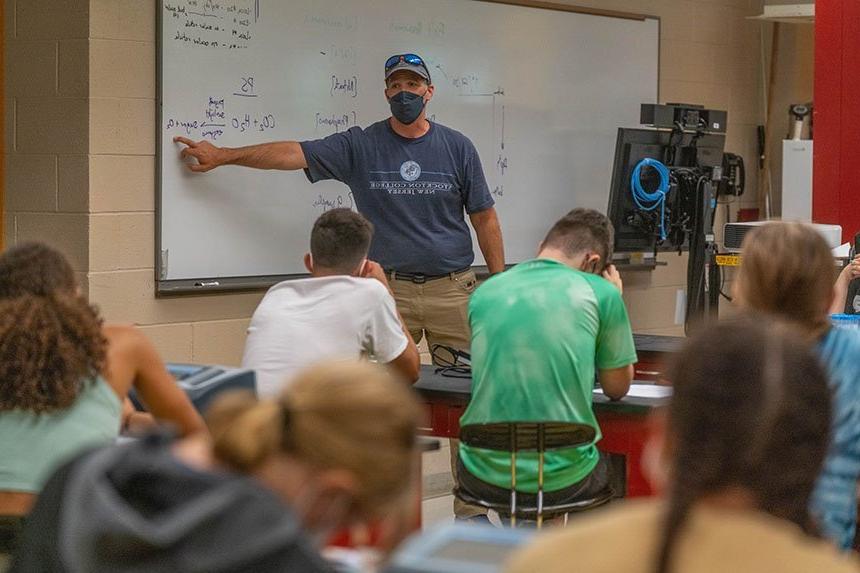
(414, 180)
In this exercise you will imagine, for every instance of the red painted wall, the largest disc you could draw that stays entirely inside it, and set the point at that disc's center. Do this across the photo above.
(836, 167)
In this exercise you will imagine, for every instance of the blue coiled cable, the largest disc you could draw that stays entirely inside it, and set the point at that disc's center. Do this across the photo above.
(649, 201)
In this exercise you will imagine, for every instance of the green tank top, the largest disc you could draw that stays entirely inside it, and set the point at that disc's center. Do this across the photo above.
(33, 445)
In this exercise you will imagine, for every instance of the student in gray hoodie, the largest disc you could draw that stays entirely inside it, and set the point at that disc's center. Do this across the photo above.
(275, 479)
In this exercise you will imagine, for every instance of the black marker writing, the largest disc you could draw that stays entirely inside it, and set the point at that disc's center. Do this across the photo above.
(348, 86)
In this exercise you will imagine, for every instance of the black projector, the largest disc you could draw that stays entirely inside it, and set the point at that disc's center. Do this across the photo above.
(690, 117)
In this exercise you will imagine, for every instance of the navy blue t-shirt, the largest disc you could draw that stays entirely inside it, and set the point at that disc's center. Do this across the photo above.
(414, 191)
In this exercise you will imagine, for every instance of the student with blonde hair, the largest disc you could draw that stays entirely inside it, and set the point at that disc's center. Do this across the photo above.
(788, 271)
(736, 456)
(272, 483)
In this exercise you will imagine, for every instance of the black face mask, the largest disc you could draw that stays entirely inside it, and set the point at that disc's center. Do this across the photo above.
(406, 106)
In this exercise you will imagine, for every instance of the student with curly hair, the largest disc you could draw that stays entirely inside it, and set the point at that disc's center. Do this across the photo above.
(275, 479)
(64, 375)
(737, 456)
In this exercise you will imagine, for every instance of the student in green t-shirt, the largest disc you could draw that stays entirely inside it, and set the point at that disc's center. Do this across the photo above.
(540, 331)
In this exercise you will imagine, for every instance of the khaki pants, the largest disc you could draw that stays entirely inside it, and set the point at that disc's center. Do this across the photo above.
(439, 310)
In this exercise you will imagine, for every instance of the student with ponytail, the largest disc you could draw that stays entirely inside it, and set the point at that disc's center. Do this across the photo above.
(275, 479)
(736, 456)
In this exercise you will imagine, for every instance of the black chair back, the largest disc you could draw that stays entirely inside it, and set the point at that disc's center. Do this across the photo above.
(526, 436)
(540, 437)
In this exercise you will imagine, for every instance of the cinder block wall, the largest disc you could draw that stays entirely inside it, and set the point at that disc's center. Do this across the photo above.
(80, 105)
(80, 140)
(46, 125)
(122, 189)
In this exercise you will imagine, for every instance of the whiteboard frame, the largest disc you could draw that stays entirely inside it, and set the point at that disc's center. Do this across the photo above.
(212, 285)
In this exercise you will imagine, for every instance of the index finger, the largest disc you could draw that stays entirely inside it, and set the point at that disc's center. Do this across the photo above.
(185, 140)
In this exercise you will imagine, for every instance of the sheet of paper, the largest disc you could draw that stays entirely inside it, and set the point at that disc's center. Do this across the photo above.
(842, 251)
(646, 391)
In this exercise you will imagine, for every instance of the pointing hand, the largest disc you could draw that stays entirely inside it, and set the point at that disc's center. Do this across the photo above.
(207, 155)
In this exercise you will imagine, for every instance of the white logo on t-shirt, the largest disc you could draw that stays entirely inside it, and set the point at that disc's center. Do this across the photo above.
(410, 171)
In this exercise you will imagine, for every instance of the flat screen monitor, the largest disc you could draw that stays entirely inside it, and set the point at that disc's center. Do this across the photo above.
(632, 233)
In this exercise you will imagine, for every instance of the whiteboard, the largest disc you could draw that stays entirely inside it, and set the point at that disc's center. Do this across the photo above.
(540, 92)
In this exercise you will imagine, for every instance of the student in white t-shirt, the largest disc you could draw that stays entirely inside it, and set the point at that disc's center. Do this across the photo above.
(343, 311)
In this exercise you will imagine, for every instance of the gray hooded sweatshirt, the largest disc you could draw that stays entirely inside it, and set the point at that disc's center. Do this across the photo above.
(136, 508)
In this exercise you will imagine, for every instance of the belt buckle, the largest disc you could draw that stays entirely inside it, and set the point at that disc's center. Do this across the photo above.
(419, 278)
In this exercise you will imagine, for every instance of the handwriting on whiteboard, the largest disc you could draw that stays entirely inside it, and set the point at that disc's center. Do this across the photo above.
(249, 122)
(338, 121)
(212, 24)
(337, 202)
(341, 54)
(334, 23)
(216, 119)
(344, 86)
(428, 28)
